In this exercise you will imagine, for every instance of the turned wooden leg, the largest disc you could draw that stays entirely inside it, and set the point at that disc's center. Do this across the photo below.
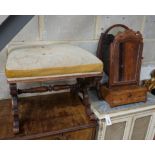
(87, 104)
(98, 85)
(83, 88)
(14, 95)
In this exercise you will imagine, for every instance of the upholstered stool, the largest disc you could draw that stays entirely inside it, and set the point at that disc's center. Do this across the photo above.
(40, 63)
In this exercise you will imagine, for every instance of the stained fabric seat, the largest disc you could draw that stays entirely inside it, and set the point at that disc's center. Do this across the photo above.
(51, 60)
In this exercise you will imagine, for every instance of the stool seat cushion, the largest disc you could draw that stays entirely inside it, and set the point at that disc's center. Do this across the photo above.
(56, 59)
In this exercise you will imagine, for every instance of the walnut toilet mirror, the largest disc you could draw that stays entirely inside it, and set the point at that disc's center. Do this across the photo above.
(121, 53)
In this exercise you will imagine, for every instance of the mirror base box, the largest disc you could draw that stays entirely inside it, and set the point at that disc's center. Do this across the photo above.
(125, 95)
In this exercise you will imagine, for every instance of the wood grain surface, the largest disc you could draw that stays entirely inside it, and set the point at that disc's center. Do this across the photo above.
(55, 116)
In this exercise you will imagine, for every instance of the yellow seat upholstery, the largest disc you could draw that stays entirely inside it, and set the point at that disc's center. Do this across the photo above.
(56, 59)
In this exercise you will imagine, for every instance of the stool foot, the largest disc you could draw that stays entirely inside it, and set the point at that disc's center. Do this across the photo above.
(15, 113)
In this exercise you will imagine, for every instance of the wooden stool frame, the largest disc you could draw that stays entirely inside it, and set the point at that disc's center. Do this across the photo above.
(84, 82)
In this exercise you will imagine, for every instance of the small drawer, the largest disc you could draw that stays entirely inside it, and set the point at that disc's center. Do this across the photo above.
(130, 97)
(121, 96)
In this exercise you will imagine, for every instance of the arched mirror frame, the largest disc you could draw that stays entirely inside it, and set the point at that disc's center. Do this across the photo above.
(125, 56)
(132, 43)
